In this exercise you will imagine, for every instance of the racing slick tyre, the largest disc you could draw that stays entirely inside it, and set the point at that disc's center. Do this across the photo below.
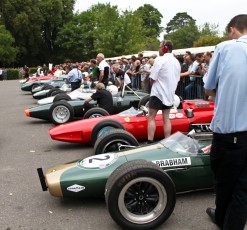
(61, 112)
(45, 87)
(58, 91)
(33, 87)
(140, 195)
(51, 91)
(95, 112)
(144, 101)
(62, 97)
(104, 126)
(114, 140)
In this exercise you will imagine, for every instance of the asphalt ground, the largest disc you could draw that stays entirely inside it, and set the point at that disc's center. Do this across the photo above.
(25, 145)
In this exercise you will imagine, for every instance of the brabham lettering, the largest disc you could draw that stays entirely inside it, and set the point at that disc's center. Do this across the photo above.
(173, 162)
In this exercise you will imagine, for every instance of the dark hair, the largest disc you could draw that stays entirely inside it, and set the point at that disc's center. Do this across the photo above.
(239, 22)
(188, 52)
(93, 61)
(208, 54)
(169, 44)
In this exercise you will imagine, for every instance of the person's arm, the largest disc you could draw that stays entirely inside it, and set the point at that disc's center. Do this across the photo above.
(88, 100)
(101, 75)
(151, 81)
(210, 92)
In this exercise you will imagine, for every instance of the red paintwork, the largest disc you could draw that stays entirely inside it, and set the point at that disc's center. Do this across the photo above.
(48, 77)
(80, 131)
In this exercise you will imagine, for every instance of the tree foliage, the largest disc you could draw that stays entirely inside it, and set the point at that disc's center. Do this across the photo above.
(7, 51)
(208, 40)
(180, 20)
(185, 36)
(151, 20)
(45, 31)
(208, 29)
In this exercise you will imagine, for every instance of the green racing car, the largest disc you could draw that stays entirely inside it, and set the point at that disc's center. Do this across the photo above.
(139, 183)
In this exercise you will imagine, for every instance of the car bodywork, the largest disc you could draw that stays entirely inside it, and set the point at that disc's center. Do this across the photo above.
(42, 91)
(181, 157)
(119, 104)
(139, 184)
(29, 85)
(194, 112)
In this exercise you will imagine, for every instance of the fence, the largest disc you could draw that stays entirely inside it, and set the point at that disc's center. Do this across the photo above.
(191, 87)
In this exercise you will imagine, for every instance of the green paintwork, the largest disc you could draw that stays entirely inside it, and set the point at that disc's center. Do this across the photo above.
(194, 176)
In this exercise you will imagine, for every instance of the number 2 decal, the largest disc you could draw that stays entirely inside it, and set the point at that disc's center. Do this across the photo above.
(98, 162)
(98, 159)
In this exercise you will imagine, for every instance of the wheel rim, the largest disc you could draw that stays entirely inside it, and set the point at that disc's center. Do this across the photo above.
(61, 114)
(114, 145)
(95, 115)
(142, 200)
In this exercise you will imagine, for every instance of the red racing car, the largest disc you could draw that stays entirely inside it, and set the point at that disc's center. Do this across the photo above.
(191, 114)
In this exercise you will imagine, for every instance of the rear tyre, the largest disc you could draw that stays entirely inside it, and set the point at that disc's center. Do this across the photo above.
(144, 101)
(112, 140)
(104, 126)
(51, 90)
(61, 112)
(62, 97)
(47, 87)
(95, 112)
(33, 87)
(140, 195)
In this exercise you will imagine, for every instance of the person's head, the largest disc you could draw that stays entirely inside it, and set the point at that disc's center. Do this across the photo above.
(100, 86)
(190, 59)
(165, 47)
(207, 56)
(125, 61)
(199, 57)
(68, 62)
(137, 62)
(151, 61)
(237, 26)
(115, 68)
(186, 54)
(74, 66)
(140, 56)
(100, 57)
(93, 62)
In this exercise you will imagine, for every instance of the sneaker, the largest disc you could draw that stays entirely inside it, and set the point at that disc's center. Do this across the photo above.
(150, 142)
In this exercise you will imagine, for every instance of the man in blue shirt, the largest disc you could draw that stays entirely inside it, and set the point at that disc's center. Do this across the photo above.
(227, 81)
(75, 77)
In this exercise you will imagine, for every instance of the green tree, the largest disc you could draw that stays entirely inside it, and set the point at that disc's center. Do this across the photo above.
(79, 29)
(24, 23)
(185, 36)
(7, 51)
(101, 29)
(178, 21)
(209, 29)
(208, 40)
(55, 14)
(151, 19)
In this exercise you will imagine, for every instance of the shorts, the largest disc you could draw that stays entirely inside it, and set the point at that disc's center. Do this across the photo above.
(156, 103)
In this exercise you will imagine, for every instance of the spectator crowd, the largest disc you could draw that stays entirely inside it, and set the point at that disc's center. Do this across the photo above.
(133, 72)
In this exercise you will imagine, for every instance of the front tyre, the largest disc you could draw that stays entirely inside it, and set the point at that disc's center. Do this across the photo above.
(114, 140)
(95, 112)
(140, 195)
(61, 112)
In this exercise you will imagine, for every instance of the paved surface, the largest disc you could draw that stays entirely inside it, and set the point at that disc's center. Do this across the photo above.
(26, 145)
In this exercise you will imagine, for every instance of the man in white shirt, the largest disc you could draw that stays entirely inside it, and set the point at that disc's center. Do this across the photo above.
(164, 78)
(104, 69)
